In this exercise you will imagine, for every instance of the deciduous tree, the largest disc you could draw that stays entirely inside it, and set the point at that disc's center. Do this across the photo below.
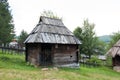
(90, 43)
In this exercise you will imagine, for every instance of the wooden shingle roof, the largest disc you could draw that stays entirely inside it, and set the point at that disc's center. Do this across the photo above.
(50, 30)
(115, 50)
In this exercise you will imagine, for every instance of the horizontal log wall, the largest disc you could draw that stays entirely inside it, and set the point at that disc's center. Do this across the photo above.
(65, 54)
(61, 54)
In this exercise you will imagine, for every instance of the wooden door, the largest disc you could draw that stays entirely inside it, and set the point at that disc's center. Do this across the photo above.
(46, 51)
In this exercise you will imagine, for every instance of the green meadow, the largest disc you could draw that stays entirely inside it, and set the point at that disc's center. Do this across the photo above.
(14, 67)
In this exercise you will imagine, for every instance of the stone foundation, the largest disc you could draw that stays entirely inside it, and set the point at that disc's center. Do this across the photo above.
(116, 68)
(72, 65)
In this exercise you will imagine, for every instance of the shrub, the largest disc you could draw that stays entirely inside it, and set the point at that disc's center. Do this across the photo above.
(109, 61)
(95, 61)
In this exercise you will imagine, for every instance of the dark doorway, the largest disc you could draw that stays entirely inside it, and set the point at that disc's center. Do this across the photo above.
(46, 57)
(116, 60)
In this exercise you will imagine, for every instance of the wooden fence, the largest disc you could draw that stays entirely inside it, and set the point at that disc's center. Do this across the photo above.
(12, 50)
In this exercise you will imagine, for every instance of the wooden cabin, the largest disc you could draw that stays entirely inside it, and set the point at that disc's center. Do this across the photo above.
(115, 53)
(51, 43)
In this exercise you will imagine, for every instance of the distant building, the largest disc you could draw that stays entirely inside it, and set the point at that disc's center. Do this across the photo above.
(51, 43)
(102, 57)
(13, 44)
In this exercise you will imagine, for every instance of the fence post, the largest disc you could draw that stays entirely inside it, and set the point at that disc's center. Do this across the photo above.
(8, 49)
(18, 49)
(2, 47)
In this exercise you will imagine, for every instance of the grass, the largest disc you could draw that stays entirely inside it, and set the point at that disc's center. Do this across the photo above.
(14, 67)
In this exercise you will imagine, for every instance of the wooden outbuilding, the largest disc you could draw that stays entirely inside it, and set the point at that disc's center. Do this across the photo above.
(115, 53)
(51, 43)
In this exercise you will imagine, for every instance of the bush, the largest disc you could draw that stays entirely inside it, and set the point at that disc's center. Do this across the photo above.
(109, 61)
(95, 61)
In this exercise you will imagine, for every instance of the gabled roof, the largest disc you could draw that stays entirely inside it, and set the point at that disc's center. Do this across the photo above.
(50, 30)
(115, 50)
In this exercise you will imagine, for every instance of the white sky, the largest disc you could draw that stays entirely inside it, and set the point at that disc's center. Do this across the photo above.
(105, 14)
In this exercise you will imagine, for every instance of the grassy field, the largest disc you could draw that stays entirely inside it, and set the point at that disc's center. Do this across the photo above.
(13, 67)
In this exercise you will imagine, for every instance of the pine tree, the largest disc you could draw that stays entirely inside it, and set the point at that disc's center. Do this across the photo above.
(6, 23)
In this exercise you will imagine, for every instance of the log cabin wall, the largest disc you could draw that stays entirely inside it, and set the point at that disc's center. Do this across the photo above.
(60, 54)
(65, 54)
(33, 53)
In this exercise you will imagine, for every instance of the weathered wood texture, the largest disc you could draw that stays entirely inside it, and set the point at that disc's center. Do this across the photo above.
(65, 54)
(33, 53)
(60, 55)
(12, 50)
(115, 50)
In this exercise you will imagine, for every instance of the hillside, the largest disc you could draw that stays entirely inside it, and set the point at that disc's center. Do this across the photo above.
(105, 38)
(13, 67)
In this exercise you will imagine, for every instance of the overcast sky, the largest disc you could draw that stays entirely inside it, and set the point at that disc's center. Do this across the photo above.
(105, 14)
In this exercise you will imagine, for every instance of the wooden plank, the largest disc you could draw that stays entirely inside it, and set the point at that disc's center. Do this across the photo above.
(62, 54)
(65, 58)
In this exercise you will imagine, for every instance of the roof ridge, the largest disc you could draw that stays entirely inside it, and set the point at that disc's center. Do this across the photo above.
(50, 18)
